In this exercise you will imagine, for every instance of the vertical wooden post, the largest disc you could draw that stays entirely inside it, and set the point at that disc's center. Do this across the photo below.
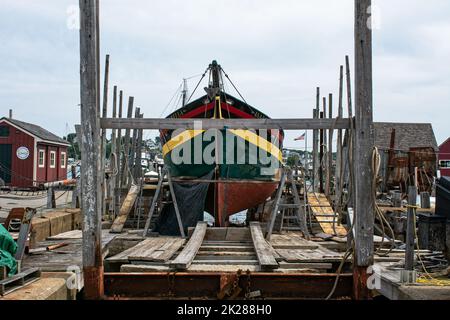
(118, 186)
(133, 148)
(76, 195)
(51, 202)
(138, 166)
(316, 162)
(350, 135)
(90, 152)
(103, 142)
(322, 138)
(425, 200)
(410, 226)
(113, 160)
(97, 50)
(126, 156)
(339, 161)
(330, 148)
(364, 209)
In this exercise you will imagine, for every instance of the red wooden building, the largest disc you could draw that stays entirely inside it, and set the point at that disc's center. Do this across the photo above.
(30, 155)
(444, 158)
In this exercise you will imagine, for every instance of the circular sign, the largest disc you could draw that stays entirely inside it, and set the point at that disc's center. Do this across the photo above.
(23, 153)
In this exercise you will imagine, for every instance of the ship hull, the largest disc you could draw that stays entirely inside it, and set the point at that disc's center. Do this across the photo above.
(244, 164)
(231, 197)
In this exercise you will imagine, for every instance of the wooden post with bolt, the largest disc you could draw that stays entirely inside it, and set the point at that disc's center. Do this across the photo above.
(90, 151)
(364, 206)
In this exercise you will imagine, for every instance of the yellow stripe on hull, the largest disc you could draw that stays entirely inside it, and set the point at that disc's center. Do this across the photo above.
(183, 137)
(247, 135)
(259, 141)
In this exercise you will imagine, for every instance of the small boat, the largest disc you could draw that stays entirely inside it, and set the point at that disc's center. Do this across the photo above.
(242, 166)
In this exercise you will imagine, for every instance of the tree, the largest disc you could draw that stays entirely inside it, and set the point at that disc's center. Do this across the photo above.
(74, 149)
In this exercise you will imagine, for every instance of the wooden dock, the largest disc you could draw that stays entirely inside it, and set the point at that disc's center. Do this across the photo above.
(227, 250)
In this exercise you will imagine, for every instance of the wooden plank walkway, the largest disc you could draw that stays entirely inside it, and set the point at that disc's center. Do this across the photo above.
(309, 255)
(159, 252)
(187, 255)
(291, 241)
(323, 212)
(264, 250)
(159, 249)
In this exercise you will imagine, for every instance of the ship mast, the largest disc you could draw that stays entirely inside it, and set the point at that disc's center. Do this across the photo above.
(214, 86)
(215, 70)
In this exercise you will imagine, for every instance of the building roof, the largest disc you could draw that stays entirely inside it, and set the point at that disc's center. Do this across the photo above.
(444, 143)
(36, 131)
(407, 135)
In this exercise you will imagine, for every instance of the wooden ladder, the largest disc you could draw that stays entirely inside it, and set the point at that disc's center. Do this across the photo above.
(164, 173)
(279, 205)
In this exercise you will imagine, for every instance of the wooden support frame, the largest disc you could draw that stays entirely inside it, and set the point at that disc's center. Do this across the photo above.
(164, 173)
(126, 146)
(329, 148)
(364, 141)
(91, 124)
(118, 185)
(339, 157)
(103, 131)
(285, 124)
(114, 161)
(410, 229)
(90, 150)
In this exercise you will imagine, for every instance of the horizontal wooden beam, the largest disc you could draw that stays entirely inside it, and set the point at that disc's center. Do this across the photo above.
(285, 124)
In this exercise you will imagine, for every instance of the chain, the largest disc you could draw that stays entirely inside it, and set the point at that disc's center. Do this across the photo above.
(171, 283)
(236, 280)
(248, 291)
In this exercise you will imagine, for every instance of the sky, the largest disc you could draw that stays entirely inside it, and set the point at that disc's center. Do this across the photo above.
(276, 53)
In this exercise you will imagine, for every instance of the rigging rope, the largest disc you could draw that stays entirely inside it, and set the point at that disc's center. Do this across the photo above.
(226, 75)
(203, 75)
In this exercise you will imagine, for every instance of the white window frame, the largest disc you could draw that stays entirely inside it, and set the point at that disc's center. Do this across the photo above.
(443, 160)
(63, 157)
(54, 159)
(43, 158)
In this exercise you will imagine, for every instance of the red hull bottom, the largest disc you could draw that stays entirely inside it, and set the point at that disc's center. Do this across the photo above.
(231, 198)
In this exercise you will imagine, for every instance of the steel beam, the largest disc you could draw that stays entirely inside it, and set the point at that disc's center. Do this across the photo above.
(200, 285)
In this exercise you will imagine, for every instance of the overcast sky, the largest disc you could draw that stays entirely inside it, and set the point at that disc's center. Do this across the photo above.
(276, 52)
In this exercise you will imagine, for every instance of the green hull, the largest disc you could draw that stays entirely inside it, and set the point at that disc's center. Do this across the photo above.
(237, 159)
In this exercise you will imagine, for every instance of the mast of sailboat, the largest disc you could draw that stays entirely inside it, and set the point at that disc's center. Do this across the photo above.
(215, 70)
